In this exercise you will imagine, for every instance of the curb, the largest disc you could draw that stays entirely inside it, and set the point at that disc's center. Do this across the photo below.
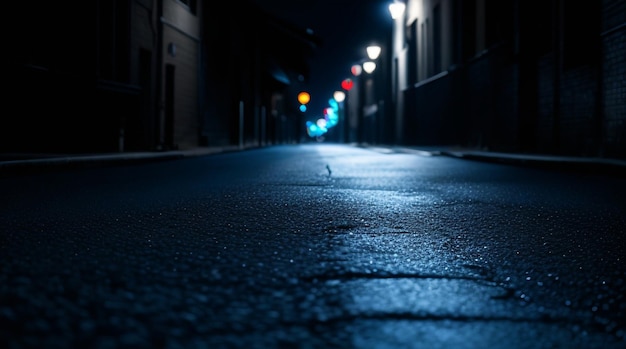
(19, 167)
(559, 163)
(59, 163)
(612, 167)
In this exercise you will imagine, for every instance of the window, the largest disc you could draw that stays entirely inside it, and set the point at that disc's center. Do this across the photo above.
(113, 44)
(411, 38)
(425, 50)
(190, 5)
(499, 21)
(542, 30)
(581, 25)
(468, 25)
(457, 33)
(437, 39)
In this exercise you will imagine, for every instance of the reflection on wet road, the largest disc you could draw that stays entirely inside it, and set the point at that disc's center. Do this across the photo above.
(313, 246)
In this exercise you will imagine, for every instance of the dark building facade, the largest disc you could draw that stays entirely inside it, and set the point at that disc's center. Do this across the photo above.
(523, 76)
(128, 75)
(254, 65)
(149, 75)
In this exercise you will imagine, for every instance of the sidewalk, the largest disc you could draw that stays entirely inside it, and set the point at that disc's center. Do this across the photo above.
(592, 165)
(33, 163)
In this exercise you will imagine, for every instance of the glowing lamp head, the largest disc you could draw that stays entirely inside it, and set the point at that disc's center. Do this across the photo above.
(339, 96)
(396, 9)
(304, 97)
(356, 70)
(373, 51)
(369, 67)
(347, 84)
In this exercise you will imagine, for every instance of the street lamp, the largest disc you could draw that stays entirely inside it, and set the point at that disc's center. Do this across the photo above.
(304, 97)
(373, 51)
(347, 84)
(369, 67)
(371, 113)
(396, 120)
(396, 9)
(339, 96)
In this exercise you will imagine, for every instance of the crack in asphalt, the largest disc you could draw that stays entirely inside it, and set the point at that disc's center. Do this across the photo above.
(507, 292)
(544, 318)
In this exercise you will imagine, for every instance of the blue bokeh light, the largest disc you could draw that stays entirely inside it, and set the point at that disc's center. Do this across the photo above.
(331, 118)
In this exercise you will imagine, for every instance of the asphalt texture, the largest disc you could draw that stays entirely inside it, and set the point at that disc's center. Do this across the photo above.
(23, 163)
(231, 252)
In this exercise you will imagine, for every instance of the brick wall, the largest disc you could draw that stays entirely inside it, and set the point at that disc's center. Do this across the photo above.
(578, 112)
(614, 78)
(545, 101)
(474, 106)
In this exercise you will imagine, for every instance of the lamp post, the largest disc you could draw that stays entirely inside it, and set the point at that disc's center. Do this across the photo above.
(339, 97)
(352, 105)
(369, 67)
(395, 110)
(371, 108)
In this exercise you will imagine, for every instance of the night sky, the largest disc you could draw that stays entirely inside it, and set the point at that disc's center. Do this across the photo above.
(345, 27)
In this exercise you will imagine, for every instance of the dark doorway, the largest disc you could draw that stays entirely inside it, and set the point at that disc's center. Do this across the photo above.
(145, 132)
(169, 106)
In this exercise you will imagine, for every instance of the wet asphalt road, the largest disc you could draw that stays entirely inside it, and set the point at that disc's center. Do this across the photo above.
(313, 246)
